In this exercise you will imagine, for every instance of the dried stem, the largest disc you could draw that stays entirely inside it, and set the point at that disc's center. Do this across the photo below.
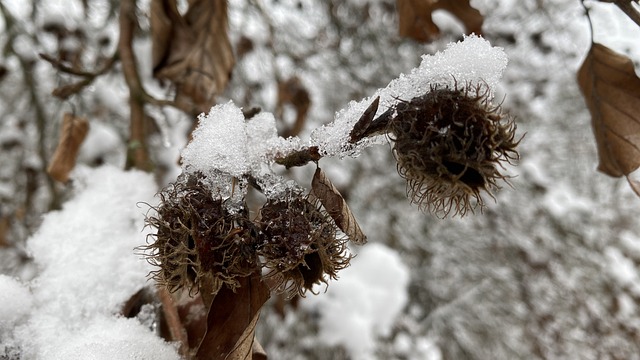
(300, 157)
(63, 92)
(138, 155)
(176, 329)
(62, 67)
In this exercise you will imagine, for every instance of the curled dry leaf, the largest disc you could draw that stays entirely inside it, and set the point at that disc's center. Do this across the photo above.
(611, 90)
(232, 319)
(366, 126)
(416, 22)
(336, 206)
(74, 130)
(192, 51)
(360, 128)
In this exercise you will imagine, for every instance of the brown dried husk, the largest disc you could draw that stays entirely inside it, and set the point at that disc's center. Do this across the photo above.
(450, 145)
(300, 245)
(199, 245)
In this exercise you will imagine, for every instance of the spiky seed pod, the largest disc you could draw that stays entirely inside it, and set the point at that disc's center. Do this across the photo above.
(300, 246)
(199, 245)
(449, 145)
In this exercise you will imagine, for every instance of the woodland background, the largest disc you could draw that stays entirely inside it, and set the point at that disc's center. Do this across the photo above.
(548, 270)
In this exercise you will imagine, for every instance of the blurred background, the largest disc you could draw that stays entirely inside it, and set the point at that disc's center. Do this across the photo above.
(548, 270)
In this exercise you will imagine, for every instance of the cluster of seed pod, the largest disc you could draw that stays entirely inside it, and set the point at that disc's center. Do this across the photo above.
(201, 245)
(449, 143)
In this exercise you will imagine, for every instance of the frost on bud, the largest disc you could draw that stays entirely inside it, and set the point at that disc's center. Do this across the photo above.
(300, 244)
(199, 245)
(449, 145)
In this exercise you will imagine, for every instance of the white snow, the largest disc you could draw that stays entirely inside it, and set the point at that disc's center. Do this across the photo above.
(561, 201)
(429, 349)
(364, 303)
(87, 269)
(264, 143)
(219, 142)
(225, 142)
(102, 143)
(470, 61)
(110, 337)
(16, 302)
(621, 268)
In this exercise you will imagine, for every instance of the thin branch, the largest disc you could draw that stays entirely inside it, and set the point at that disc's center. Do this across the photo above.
(176, 328)
(138, 155)
(62, 67)
(300, 157)
(64, 91)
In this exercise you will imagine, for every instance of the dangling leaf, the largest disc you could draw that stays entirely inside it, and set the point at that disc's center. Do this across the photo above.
(611, 90)
(232, 319)
(416, 22)
(74, 130)
(336, 206)
(192, 51)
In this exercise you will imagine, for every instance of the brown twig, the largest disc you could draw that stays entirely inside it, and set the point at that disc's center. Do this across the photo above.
(62, 67)
(300, 157)
(138, 155)
(176, 329)
(63, 92)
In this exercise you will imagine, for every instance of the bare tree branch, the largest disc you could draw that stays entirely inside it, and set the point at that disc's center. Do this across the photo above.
(138, 155)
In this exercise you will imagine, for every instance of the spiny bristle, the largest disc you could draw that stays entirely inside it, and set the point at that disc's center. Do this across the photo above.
(300, 245)
(449, 145)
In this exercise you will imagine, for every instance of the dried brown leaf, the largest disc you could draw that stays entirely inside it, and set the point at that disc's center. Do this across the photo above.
(5, 226)
(232, 320)
(611, 90)
(192, 51)
(360, 127)
(416, 22)
(74, 130)
(336, 206)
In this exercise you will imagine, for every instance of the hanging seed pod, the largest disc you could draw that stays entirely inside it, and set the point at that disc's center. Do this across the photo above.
(299, 244)
(199, 245)
(449, 145)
